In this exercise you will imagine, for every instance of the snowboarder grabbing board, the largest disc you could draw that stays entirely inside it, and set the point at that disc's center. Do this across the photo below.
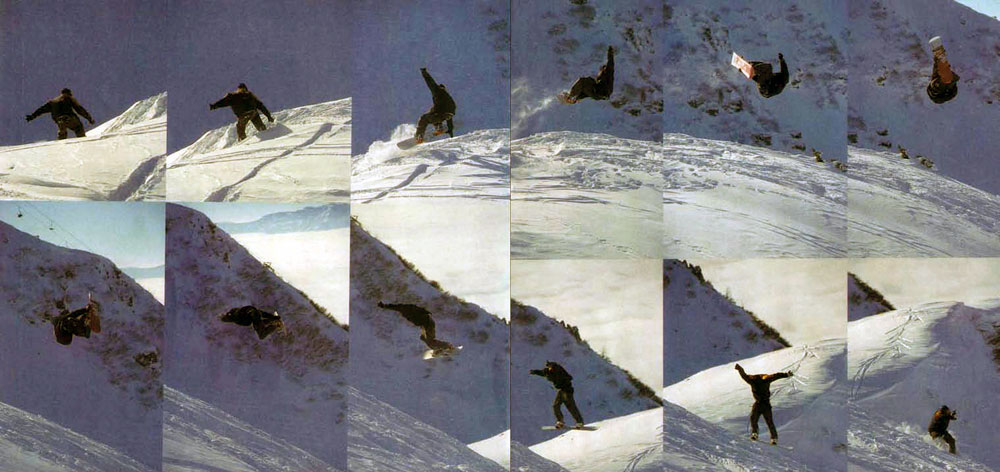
(563, 383)
(939, 426)
(768, 82)
(263, 323)
(597, 88)
(760, 385)
(442, 110)
(944, 81)
(80, 323)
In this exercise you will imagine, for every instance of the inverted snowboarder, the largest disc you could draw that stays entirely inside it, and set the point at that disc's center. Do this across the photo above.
(245, 106)
(64, 109)
(563, 382)
(422, 319)
(768, 82)
(597, 88)
(944, 81)
(264, 323)
(80, 322)
(939, 426)
(760, 385)
(441, 112)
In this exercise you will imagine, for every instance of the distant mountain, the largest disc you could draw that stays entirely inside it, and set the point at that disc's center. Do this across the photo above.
(313, 218)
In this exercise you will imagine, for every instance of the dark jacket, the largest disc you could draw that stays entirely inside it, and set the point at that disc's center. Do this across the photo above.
(443, 103)
(63, 105)
(556, 374)
(770, 84)
(940, 420)
(606, 79)
(414, 314)
(247, 315)
(760, 384)
(242, 101)
(940, 92)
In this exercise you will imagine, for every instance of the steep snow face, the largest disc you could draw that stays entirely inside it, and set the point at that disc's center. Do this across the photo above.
(581, 196)
(290, 385)
(706, 97)
(472, 166)
(863, 300)
(703, 328)
(384, 439)
(891, 64)
(121, 159)
(115, 373)
(809, 408)
(569, 40)
(302, 157)
(613, 447)
(30, 442)
(602, 389)
(906, 363)
(503, 451)
(199, 436)
(465, 395)
(899, 208)
(728, 200)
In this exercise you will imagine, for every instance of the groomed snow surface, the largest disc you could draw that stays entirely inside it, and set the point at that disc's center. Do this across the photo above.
(304, 156)
(121, 159)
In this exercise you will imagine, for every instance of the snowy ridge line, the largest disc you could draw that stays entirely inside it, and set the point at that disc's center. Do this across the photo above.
(139, 177)
(137, 118)
(895, 344)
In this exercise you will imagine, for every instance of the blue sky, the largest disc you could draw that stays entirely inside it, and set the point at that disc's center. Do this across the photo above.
(111, 53)
(987, 7)
(130, 234)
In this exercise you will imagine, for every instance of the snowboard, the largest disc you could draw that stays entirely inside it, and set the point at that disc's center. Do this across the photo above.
(564, 98)
(936, 44)
(435, 354)
(411, 142)
(569, 428)
(742, 64)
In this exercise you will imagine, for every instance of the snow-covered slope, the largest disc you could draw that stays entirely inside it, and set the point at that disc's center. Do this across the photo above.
(809, 408)
(466, 395)
(112, 379)
(611, 448)
(503, 451)
(200, 437)
(705, 96)
(290, 385)
(722, 199)
(302, 157)
(472, 166)
(313, 218)
(899, 208)
(31, 443)
(703, 328)
(863, 300)
(891, 65)
(384, 439)
(580, 195)
(602, 389)
(906, 363)
(555, 43)
(121, 159)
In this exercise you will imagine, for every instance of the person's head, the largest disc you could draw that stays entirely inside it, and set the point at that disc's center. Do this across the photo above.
(944, 408)
(241, 86)
(66, 91)
(442, 86)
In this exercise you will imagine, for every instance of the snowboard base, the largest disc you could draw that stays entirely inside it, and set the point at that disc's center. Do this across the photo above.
(564, 98)
(569, 428)
(411, 142)
(435, 354)
(742, 64)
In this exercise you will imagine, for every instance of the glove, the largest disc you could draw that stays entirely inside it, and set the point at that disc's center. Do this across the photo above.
(28, 118)
(611, 49)
(738, 367)
(270, 119)
(211, 106)
(91, 120)
(790, 374)
(423, 69)
(781, 56)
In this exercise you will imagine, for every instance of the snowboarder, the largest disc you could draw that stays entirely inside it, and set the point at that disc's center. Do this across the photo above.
(245, 106)
(80, 322)
(263, 323)
(597, 88)
(944, 81)
(442, 111)
(422, 319)
(939, 426)
(563, 382)
(64, 109)
(760, 385)
(769, 84)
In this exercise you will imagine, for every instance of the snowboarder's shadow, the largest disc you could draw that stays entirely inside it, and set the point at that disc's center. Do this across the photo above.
(274, 131)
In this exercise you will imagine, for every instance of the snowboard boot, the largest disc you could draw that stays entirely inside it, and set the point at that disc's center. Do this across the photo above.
(753, 436)
(560, 425)
(774, 442)
(420, 139)
(579, 426)
(438, 130)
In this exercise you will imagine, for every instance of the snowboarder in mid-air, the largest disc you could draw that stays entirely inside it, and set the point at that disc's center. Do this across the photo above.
(64, 109)
(245, 106)
(80, 322)
(769, 83)
(760, 385)
(597, 88)
(263, 323)
(944, 81)
(939, 426)
(422, 319)
(441, 112)
(563, 382)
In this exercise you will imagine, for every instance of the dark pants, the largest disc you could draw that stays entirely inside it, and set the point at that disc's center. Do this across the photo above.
(241, 124)
(947, 438)
(565, 396)
(69, 122)
(431, 118)
(586, 87)
(762, 409)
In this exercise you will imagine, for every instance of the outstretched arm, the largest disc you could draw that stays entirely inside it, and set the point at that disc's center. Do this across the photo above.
(611, 59)
(47, 107)
(538, 372)
(222, 102)
(431, 84)
(451, 128)
(263, 109)
(79, 109)
(743, 374)
(779, 375)
(784, 67)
